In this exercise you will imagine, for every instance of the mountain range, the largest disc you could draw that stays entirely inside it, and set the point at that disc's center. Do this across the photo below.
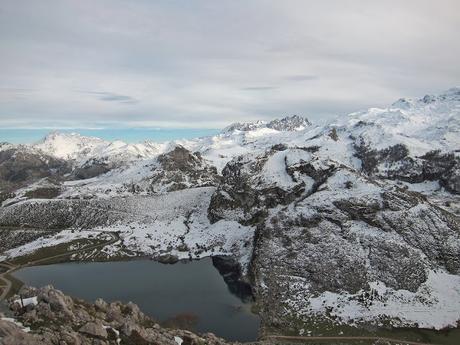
(352, 222)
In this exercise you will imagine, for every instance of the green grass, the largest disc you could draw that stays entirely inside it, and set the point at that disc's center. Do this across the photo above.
(16, 285)
(324, 327)
(60, 249)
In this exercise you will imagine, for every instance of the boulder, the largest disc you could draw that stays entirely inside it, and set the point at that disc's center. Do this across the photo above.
(95, 329)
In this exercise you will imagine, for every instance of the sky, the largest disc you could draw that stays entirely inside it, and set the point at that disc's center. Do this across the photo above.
(206, 64)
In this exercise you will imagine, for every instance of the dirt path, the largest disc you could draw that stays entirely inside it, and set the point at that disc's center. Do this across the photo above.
(5, 287)
(11, 268)
(313, 338)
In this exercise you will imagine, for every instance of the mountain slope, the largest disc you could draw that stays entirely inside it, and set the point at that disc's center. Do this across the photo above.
(356, 221)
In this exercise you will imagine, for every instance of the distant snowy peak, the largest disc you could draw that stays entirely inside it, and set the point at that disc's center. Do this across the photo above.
(429, 107)
(451, 95)
(429, 123)
(420, 125)
(289, 123)
(73, 146)
(5, 146)
(245, 126)
(69, 145)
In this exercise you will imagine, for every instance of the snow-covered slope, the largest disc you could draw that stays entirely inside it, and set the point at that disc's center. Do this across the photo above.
(289, 123)
(73, 146)
(69, 145)
(353, 221)
(429, 123)
(420, 125)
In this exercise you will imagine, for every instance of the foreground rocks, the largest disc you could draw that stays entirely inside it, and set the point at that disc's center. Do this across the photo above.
(58, 319)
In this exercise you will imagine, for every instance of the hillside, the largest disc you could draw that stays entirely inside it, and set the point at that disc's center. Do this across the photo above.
(354, 222)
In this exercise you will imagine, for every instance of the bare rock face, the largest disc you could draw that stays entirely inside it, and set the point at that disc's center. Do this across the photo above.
(8, 328)
(180, 169)
(59, 304)
(167, 259)
(59, 319)
(245, 195)
(288, 123)
(94, 329)
(323, 227)
(395, 163)
(11, 334)
(20, 167)
(92, 168)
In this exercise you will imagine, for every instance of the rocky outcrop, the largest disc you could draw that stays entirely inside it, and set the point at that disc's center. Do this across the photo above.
(395, 163)
(230, 269)
(94, 330)
(91, 168)
(245, 195)
(323, 227)
(288, 123)
(59, 319)
(20, 166)
(168, 259)
(180, 169)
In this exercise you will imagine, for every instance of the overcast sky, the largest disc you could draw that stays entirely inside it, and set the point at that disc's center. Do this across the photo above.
(107, 63)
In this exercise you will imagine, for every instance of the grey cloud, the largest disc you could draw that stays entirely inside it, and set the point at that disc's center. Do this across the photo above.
(14, 90)
(259, 88)
(112, 97)
(11, 94)
(301, 77)
(206, 64)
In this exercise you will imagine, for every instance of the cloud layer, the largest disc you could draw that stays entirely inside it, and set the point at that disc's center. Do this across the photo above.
(205, 63)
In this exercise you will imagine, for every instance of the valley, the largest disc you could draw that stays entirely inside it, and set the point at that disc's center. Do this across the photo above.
(346, 229)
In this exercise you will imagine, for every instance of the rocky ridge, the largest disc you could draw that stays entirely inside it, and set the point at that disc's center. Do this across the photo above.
(289, 123)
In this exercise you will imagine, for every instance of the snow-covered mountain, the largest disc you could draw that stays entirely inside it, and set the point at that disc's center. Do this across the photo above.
(416, 127)
(356, 221)
(73, 146)
(422, 125)
(289, 123)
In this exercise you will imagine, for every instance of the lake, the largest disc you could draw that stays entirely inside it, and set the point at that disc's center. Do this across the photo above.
(189, 294)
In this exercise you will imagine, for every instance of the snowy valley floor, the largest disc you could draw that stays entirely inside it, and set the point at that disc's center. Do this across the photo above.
(174, 223)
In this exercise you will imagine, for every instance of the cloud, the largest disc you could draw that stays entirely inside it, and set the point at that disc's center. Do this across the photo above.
(12, 94)
(259, 88)
(301, 77)
(112, 97)
(206, 64)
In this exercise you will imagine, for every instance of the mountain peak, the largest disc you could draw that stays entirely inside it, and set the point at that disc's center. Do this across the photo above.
(452, 94)
(67, 145)
(288, 123)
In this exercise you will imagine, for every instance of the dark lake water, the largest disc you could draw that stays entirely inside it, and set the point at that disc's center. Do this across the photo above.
(187, 294)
